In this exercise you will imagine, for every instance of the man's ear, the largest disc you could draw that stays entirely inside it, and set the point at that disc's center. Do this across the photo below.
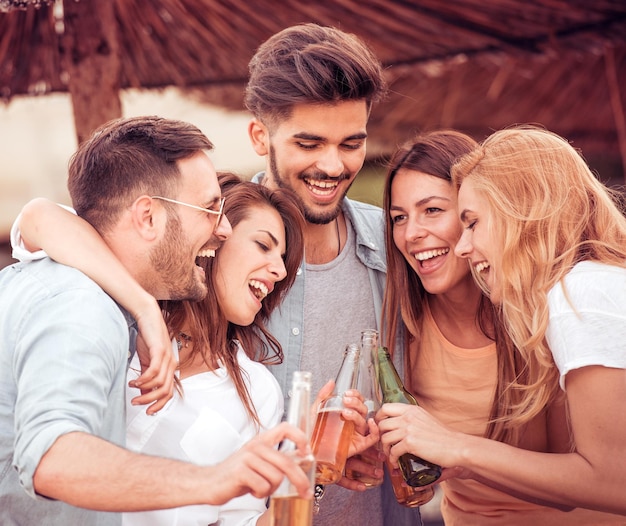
(148, 218)
(259, 136)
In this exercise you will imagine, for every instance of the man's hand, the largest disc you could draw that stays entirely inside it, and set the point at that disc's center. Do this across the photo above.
(258, 467)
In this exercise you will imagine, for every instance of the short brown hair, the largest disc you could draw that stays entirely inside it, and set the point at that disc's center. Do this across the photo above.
(311, 64)
(125, 158)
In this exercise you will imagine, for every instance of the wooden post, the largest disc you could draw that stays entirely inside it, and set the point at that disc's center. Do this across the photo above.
(90, 54)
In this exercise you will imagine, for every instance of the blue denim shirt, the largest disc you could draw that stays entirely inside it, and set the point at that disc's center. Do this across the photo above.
(286, 322)
(64, 349)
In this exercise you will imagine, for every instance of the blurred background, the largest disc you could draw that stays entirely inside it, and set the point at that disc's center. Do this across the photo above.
(67, 66)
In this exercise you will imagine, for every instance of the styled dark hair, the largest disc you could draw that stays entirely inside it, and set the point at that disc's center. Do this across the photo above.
(311, 64)
(126, 158)
(210, 330)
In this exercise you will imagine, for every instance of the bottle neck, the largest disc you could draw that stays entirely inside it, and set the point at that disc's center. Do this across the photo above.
(298, 414)
(390, 382)
(349, 372)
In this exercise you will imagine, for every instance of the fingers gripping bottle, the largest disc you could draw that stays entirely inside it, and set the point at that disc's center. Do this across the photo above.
(369, 388)
(332, 434)
(287, 508)
(416, 471)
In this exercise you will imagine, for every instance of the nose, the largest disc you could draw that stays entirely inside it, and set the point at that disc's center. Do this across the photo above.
(331, 162)
(224, 229)
(463, 246)
(277, 268)
(415, 230)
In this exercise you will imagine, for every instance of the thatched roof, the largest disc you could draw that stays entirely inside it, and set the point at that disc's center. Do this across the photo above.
(475, 65)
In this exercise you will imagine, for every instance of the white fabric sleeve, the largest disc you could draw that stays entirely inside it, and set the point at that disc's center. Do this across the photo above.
(20, 252)
(590, 328)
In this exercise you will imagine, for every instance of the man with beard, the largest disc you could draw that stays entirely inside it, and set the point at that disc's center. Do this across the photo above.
(149, 189)
(310, 92)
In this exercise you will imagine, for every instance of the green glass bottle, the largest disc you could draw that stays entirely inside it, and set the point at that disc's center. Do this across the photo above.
(416, 471)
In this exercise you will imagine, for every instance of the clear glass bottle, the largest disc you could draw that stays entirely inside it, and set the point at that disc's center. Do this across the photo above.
(287, 507)
(332, 433)
(416, 471)
(369, 388)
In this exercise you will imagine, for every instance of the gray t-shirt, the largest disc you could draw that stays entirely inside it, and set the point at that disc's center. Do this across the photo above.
(339, 293)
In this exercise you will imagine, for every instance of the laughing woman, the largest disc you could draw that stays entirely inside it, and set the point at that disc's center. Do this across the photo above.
(547, 243)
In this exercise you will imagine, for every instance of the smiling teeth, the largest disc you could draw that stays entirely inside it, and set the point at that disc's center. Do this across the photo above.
(481, 266)
(207, 253)
(321, 187)
(428, 254)
(260, 289)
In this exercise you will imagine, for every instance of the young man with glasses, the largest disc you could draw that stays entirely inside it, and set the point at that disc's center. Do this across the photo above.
(65, 344)
(310, 91)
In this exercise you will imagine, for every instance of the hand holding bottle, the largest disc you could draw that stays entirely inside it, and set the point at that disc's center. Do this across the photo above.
(340, 425)
(366, 469)
(416, 471)
(406, 428)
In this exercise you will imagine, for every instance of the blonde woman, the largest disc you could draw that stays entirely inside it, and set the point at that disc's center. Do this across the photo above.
(547, 243)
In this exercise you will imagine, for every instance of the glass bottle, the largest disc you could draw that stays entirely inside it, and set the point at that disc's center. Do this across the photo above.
(369, 388)
(408, 495)
(287, 507)
(332, 433)
(416, 471)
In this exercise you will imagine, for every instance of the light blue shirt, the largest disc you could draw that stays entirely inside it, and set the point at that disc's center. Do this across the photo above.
(64, 350)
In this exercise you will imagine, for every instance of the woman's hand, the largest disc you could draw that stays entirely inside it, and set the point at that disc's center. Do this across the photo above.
(411, 429)
(158, 363)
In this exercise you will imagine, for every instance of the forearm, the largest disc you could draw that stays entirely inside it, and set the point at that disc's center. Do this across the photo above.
(88, 472)
(72, 241)
(564, 480)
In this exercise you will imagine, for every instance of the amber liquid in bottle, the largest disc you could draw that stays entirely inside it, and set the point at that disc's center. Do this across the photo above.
(416, 471)
(287, 507)
(332, 434)
(408, 495)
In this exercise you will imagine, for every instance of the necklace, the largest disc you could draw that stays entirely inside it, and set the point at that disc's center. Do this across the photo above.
(338, 236)
(182, 337)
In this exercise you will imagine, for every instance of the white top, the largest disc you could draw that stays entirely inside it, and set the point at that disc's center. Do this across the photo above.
(590, 328)
(204, 426)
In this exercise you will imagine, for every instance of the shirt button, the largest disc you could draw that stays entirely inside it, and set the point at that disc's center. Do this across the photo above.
(295, 331)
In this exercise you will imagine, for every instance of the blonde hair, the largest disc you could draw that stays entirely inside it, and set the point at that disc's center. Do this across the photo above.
(548, 212)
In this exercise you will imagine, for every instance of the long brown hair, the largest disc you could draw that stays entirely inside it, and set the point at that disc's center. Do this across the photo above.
(204, 321)
(405, 297)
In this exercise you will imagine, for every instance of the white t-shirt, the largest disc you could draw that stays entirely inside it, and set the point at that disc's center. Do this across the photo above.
(593, 331)
(204, 426)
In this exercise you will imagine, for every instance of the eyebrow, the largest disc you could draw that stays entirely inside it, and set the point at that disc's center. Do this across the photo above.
(274, 240)
(312, 137)
(463, 215)
(422, 202)
(212, 202)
